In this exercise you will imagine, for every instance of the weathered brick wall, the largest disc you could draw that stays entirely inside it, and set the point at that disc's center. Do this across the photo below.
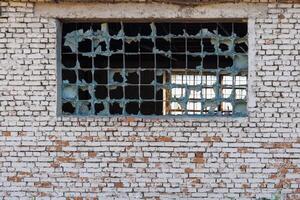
(60, 157)
(180, 2)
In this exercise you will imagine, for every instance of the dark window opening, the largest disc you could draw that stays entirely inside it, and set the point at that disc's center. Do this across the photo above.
(154, 69)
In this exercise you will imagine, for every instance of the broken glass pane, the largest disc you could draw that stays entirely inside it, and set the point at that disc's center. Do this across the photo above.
(152, 68)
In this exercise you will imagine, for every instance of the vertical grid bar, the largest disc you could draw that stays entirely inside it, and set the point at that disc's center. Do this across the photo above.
(123, 73)
(168, 103)
(139, 71)
(219, 79)
(186, 100)
(201, 71)
(194, 83)
(233, 77)
(108, 82)
(93, 82)
(155, 74)
(77, 66)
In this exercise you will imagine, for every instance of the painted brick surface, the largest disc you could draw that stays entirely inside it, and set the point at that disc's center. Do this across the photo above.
(180, 2)
(46, 156)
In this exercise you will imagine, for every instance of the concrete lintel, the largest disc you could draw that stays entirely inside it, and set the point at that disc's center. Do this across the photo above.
(149, 11)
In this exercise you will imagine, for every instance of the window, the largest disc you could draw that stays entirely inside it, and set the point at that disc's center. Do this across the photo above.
(154, 69)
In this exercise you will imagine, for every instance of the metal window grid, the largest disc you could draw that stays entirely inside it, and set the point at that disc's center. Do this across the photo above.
(96, 79)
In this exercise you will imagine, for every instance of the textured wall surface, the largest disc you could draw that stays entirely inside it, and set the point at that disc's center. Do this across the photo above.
(179, 2)
(46, 156)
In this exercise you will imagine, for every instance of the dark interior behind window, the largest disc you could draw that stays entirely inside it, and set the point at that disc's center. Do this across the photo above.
(154, 68)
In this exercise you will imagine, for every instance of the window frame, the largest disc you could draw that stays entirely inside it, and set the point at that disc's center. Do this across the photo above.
(250, 74)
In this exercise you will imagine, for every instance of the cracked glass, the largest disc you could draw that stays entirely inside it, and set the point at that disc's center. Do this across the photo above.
(121, 68)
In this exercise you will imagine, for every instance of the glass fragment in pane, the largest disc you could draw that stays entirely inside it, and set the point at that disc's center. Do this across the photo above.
(148, 68)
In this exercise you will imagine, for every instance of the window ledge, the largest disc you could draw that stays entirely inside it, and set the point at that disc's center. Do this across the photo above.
(204, 119)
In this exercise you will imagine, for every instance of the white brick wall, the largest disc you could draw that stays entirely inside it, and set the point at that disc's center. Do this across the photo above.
(46, 156)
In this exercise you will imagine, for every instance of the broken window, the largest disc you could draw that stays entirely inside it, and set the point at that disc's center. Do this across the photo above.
(154, 69)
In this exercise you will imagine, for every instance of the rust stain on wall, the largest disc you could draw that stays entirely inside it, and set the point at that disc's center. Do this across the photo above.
(14, 178)
(188, 170)
(199, 158)
(278, 145)
(43, 184)
(212, 139)
(92, 154)
(6, 133)
(65, 159)
(119, 185)
(165, 139)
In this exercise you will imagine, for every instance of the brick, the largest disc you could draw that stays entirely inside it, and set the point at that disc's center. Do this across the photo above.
(6, 133)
